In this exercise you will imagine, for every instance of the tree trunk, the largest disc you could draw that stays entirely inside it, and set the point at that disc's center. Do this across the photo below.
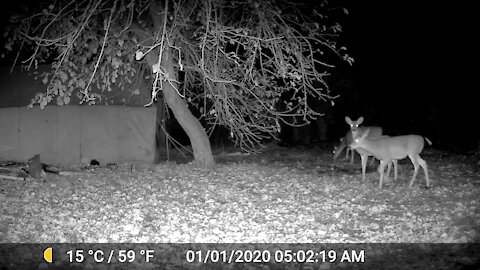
(202, 151)
(160, 138)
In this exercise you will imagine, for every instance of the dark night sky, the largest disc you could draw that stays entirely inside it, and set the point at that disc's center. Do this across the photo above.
(411, 56)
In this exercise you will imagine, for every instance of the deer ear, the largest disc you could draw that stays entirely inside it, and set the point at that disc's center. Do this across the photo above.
(348, 120)
(360, 120)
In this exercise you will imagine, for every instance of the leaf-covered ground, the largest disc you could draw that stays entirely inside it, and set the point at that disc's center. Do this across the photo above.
(283, 195)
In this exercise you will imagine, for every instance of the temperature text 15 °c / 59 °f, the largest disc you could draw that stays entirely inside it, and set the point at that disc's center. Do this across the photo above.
(110, 256)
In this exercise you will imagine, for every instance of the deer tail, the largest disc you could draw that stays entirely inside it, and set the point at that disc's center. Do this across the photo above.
(428, 141)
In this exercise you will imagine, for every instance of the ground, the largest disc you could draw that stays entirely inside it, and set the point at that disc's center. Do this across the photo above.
(284, 195)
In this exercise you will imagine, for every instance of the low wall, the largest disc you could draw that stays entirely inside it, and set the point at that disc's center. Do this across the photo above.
(68, 134)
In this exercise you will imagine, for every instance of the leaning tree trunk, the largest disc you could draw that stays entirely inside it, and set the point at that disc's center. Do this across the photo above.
(202, 151)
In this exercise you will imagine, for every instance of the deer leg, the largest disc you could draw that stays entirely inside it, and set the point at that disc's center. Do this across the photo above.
(364, 159)
(395, 167)
(389, 167)
(372, 161)
(381, 170)
(415, 167)
(423, 163)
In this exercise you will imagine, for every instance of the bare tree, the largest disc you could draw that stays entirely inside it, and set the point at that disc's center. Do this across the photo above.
(231, 59)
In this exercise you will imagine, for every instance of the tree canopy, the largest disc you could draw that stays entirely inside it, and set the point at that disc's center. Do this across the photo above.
(232, 60)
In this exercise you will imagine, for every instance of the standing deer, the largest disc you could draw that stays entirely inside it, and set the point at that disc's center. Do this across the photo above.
(387, 149)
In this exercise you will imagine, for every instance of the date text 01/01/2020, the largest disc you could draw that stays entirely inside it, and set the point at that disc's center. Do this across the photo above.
(277, 256)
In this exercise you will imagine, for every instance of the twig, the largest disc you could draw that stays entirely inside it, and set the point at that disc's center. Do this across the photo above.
(9, 177)
(107, 27)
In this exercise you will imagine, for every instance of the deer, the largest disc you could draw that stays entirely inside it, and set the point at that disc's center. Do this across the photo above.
(354, 131)
(392, 149)
(344, 144)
